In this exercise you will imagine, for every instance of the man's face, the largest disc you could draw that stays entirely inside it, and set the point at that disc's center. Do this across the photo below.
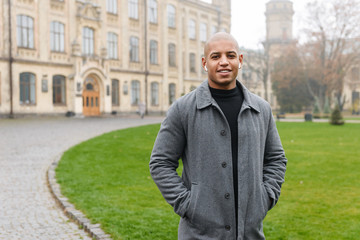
(222, 62)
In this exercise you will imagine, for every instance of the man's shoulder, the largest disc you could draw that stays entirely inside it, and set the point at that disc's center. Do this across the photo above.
(258, 101)
(187, 99)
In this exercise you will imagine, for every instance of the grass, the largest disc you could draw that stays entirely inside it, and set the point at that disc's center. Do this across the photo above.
(108, 179)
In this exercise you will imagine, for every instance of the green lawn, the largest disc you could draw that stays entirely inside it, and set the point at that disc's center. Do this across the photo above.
(108, 179)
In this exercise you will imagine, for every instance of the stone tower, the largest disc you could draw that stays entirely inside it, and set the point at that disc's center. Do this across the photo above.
(279, 14)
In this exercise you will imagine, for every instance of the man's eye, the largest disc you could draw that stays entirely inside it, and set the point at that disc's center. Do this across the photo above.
(231, 56)
(214, 57)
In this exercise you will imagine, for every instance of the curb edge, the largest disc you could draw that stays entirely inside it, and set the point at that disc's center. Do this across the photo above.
(69, 209)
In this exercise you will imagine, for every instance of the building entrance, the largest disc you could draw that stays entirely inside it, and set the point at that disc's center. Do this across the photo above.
(91, 97)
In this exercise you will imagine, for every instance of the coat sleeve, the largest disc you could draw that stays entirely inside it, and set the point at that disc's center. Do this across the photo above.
(168, 149)
(274, 162)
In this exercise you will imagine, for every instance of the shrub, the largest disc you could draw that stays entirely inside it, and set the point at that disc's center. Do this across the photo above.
(336, 116)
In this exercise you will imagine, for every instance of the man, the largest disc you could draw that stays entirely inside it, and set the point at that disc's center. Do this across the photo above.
(233, 160)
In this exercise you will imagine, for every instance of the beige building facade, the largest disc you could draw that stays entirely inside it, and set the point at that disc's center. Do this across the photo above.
(94, 57)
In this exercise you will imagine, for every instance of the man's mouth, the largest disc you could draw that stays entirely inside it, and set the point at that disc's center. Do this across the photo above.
(224, 71)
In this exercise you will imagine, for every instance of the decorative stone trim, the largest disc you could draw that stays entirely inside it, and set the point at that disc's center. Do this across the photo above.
(78, 217)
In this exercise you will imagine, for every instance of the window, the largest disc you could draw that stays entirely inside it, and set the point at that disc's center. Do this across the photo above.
(112, 45)
(153, 52)
(152, 11)
(172, 55)
(154, 93)
(135, 92)
(59, 89)
(111, 6)
(134, 49)
(25, 31)
(171, 16)
(203, 32)
(57, 37)
(115, 90)
(192, 62)
(27, 88)
(133, 9)
(213, 30)
(88, 41)
(192, 29)
(171, 93)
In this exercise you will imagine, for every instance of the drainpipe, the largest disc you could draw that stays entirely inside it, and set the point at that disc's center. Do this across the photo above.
(146, 60)
(11, 115)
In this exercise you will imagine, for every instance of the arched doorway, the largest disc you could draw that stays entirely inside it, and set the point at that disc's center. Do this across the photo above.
(91, 97)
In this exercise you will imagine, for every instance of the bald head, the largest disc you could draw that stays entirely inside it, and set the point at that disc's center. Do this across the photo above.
(220, 36)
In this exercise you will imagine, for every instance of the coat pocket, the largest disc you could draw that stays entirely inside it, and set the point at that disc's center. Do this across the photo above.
(258, 206)
(265, 200)
(203, 211)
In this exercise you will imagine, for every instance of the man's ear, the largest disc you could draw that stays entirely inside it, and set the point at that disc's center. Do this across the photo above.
(203, 63)
(241, 58)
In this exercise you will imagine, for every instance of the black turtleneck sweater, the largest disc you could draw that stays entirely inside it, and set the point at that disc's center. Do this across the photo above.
(230, 102)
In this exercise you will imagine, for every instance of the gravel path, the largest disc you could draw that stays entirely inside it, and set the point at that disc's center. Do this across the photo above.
(28, 146)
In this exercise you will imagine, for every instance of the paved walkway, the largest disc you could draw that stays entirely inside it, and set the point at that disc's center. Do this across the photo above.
(27, 148)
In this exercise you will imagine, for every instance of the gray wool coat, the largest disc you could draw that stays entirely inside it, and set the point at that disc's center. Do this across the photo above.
(196, 130)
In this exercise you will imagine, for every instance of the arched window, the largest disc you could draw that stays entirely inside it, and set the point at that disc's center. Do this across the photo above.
(111, 6)
(133, 9)
(27, 88)
(172, 55)
(192, 29)
(112, 42)
(154, 93)
(115, 92)
(153, 52)
(25, 31)
(59, 89)
(171, 13)
(192, 62)
(152, 11)
(134, 49)
(172, 93)
(57, 37)
(203, 32)
(135, 92)
(88, 41)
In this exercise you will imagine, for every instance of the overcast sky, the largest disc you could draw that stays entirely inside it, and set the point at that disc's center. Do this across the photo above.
(248, 21)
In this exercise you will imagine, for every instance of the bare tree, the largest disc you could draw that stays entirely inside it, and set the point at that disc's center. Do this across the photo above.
(288, 81)
(333, 46)
(258, 63)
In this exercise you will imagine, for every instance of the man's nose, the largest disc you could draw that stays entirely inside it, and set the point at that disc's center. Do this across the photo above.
(224, 61)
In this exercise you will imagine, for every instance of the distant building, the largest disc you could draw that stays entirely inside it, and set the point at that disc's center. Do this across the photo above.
(93, 57)
(256, 73)
(258, 63)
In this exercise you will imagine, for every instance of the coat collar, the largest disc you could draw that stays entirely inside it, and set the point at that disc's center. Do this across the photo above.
(204, 98)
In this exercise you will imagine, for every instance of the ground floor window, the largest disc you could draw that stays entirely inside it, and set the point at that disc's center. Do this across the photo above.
(59, 89)
(171, 93)
(154, 93)
(27, 88)
(135, 92)
(115, 92)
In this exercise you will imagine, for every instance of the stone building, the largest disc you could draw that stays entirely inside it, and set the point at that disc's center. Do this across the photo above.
(256, 73)
(94, 57)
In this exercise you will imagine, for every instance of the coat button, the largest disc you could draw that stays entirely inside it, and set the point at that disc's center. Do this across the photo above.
(227, 195)
(224, 164)
(227, 228)
(223, 132)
